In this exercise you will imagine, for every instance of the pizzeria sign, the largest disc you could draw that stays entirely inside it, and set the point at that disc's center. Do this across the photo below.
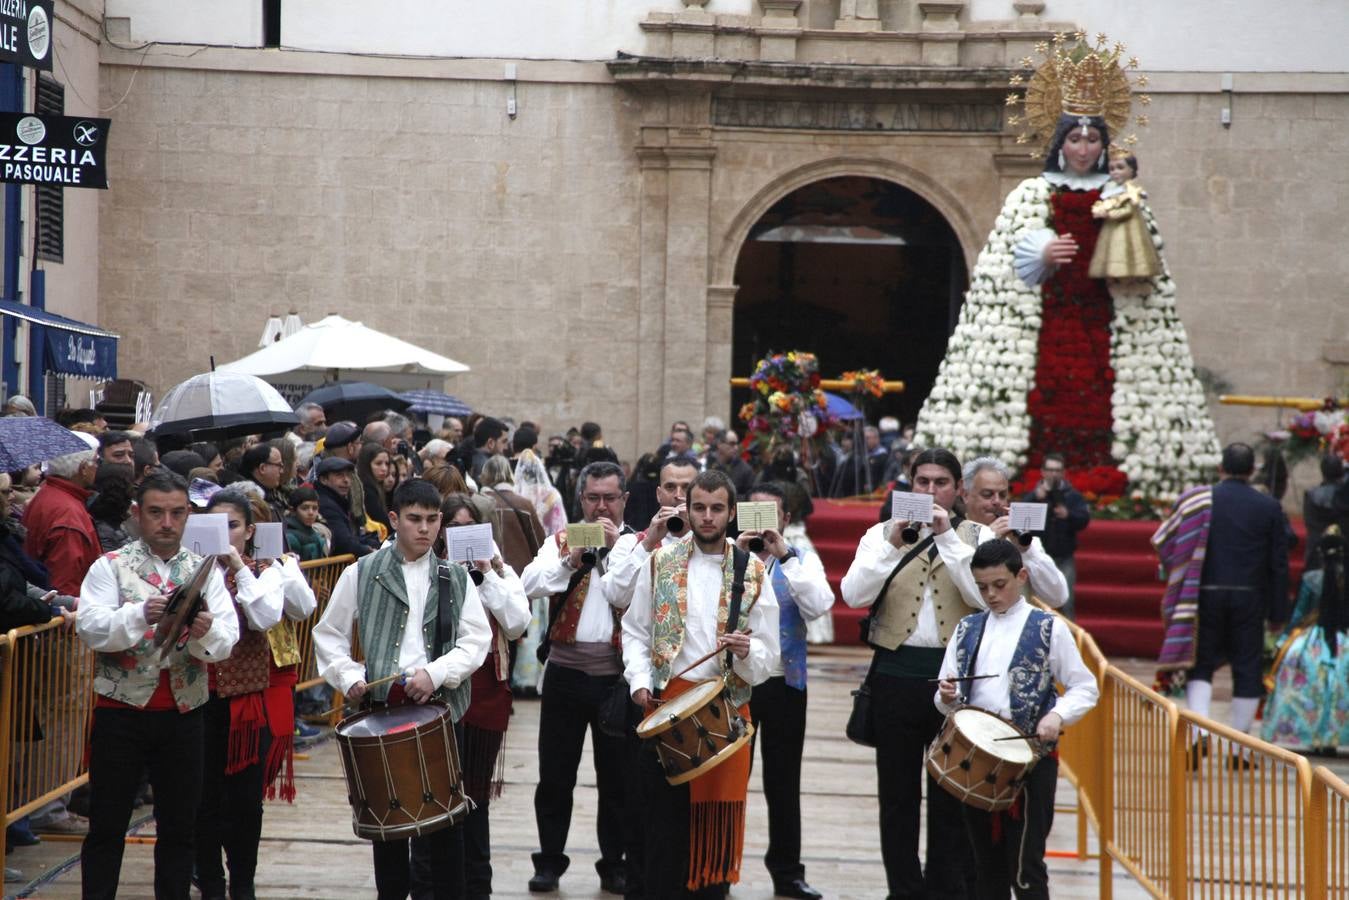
(61, 151)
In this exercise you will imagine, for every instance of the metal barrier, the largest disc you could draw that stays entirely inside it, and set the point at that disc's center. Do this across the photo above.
(322, 575)
(46, 694)
(1328, 825)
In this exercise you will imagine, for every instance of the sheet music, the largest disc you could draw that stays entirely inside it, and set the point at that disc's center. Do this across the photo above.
(585, 534)
(908, 507)
(469, 543)
(269, 540)
(1028, 516)
(207, 534)
(756, 515)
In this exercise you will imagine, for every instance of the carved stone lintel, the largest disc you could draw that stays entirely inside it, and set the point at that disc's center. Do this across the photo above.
(858, 15)
(779, 9)
(697, 4)
(1028, 11)
(941, 15)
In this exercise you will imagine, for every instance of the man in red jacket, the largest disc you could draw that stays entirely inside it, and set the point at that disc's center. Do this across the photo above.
(61, 533)
(61, 536)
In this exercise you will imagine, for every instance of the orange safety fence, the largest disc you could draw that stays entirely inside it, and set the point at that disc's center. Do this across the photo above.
(322, 575)
(46, 697)
(1330, 805)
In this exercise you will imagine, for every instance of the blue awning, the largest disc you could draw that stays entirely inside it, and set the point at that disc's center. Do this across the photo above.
(71, 347)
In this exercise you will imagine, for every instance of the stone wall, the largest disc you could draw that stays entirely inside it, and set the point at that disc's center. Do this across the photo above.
(414, 205)
(581, 278)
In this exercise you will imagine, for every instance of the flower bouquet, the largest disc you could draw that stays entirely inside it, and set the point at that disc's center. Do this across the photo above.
(865, 382)
(788, 405)
(1313, 433)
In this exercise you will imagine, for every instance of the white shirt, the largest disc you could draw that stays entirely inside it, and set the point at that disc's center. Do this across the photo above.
(876, 557)
(700, 628)
(624, 573)
(332, 635)
(298, 601)
(549, 574)
(504, 597)
(1002, 631)
(809, 587)
(107, 625)
(1046, 581)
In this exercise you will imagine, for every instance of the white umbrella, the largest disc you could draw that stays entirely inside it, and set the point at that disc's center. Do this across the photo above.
(335, 344)
(220, 405)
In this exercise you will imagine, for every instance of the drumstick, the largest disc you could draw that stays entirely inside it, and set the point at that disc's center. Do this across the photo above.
(706, 656)
(368, 685)
(960, 678)
(1017, 737)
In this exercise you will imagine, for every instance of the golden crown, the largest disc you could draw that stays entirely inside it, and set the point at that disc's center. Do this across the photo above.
(1077, 79)
(1118, 152)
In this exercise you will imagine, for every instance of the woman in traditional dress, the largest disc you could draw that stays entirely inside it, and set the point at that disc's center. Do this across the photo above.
(1044, 358)
(250, 719)
(489, 710)
(1308, 705)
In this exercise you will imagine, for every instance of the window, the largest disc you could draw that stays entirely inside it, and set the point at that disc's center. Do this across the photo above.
(49, 205)
(271, 23)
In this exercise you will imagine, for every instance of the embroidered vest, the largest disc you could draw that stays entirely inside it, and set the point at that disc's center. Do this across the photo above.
(382, 611)
(904, 598)
(132, 676)
(564, 628)
(791, 631)
(1030, 689)
(670, 603)
(247, 669)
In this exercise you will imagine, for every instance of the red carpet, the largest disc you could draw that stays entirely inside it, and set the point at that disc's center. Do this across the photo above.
(1118, 593)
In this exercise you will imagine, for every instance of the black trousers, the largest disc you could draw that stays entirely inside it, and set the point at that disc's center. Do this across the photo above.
(1231, 629)
(779, 714)
(571, 703)
(906, 721)
(440, 856)
(124, 743)
(477, 831)
(665, 872)
(998, 864)
(634, 808)
(230, 815)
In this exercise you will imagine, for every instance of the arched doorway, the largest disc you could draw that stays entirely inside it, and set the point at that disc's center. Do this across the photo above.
(862, 272)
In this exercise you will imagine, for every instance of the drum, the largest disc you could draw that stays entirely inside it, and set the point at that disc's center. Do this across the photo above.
(970, 762)
(402, 769)
(696, 731)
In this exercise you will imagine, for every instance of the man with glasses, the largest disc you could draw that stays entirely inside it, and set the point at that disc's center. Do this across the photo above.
(582, 647)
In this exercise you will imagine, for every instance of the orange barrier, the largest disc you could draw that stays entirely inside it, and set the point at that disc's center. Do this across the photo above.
(322, 575)
(46, 694)
(1329, 824)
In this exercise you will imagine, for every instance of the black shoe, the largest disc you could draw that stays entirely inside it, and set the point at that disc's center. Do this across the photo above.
(1198, 750)
(543, 883)
(1240, 763)
(797, 888)
(615, 882)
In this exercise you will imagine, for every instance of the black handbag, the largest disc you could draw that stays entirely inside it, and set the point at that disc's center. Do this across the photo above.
(860, 728)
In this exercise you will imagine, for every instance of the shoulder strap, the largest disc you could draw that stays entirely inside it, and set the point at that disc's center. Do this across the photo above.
(740, 563)
(447, 625)
(555, 607)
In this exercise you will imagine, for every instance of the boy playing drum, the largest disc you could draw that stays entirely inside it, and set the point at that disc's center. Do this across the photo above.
(1006, 661)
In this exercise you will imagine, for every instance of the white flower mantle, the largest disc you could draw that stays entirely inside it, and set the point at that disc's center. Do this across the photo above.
(1164, 440)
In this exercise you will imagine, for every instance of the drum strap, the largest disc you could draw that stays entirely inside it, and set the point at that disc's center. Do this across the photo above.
(446, 625)
(974, 657)
(739, 564)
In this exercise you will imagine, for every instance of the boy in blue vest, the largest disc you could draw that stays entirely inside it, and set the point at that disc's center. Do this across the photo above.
(1024, 650)
(392, 596)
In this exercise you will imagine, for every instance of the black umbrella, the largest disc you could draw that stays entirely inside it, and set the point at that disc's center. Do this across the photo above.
(354, 399)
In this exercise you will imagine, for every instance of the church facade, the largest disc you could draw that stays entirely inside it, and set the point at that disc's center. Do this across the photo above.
(593, 211)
